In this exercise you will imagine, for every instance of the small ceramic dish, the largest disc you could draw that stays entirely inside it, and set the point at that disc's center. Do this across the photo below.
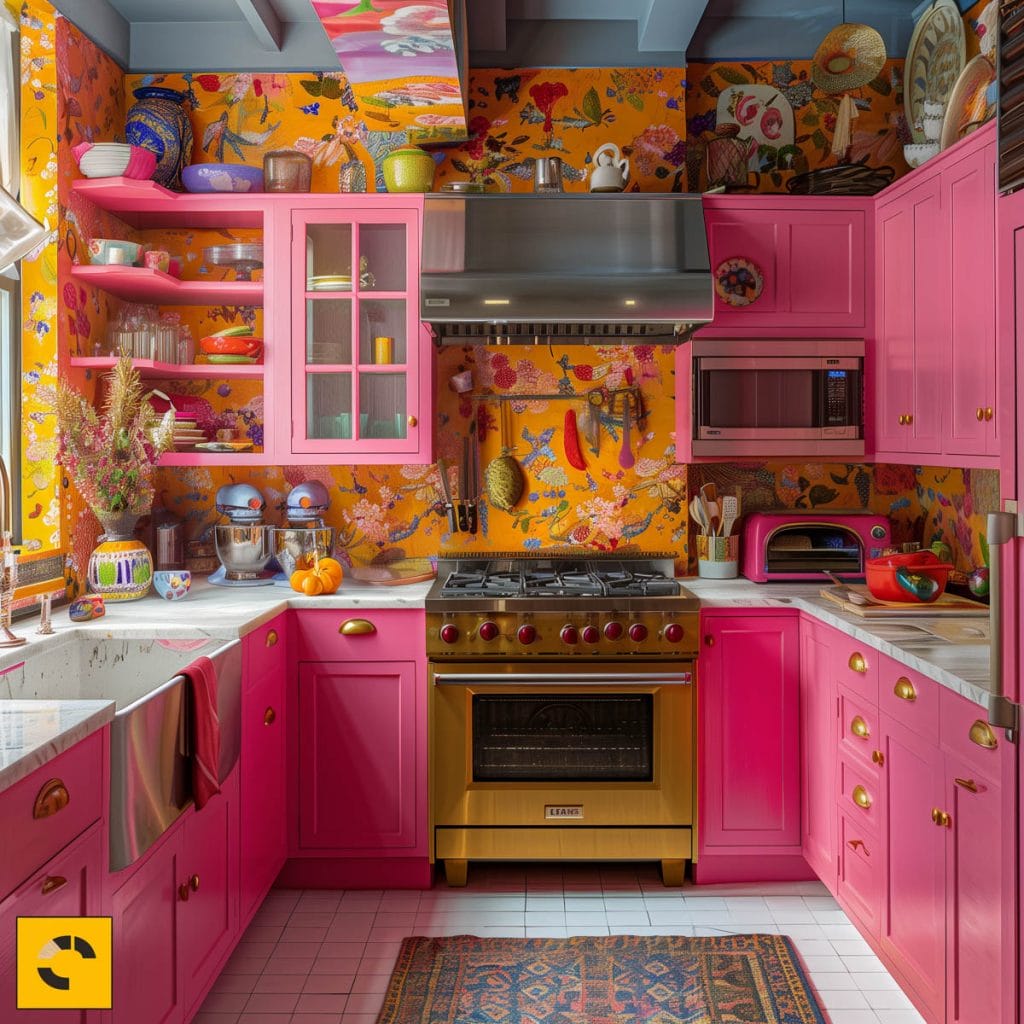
(172, 584)
(222, 178)
(111, 251)
(916, 153)
(219, 344)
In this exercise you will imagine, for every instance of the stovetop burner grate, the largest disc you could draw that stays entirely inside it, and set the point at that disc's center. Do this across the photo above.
(573, 580)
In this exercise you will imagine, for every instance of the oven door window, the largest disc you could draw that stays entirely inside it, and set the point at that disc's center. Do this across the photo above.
(563, 737)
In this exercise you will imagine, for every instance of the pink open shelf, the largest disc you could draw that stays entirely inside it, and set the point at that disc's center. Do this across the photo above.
(147, 204)
(140, 284)
(150, 369)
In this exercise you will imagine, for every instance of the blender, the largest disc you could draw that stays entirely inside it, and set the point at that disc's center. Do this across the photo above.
(244, 543)
(305, 533)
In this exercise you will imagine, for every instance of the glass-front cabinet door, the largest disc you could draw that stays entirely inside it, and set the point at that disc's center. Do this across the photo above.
(358, 369)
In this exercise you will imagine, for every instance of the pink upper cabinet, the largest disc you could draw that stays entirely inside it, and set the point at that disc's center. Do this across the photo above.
(807, 253)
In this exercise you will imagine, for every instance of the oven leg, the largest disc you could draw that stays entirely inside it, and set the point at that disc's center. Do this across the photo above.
(455, 872)
(672, 872)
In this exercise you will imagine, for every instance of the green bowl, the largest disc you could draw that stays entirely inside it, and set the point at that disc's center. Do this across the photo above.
(409, 169)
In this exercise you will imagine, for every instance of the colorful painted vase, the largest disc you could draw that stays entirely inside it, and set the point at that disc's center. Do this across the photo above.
(120, 567)
(409, 169)
(159, 122)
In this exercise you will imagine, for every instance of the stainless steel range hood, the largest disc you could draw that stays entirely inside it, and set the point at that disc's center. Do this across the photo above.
(521, 268)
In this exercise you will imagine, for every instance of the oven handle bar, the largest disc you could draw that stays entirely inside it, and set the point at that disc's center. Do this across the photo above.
(554, 679)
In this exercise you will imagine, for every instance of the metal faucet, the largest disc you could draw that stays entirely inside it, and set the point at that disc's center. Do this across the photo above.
(9, 566)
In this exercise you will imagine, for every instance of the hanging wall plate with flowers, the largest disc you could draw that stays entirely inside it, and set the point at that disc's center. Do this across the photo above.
(738, 281)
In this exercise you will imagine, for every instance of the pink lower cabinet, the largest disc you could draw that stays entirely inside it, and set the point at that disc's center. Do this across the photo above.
(69, 885)
(749, 748)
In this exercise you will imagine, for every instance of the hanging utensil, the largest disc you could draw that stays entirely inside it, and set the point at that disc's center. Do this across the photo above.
(460, 505)
(474, 484)
(590, 419)
(442, 469)
(571, 441)
(504, 475)
(626, 460)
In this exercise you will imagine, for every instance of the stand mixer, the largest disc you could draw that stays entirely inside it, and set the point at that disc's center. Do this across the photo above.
(244, 543)
(305, 533)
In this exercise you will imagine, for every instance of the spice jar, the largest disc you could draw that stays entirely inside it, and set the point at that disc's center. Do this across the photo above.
(287, 170)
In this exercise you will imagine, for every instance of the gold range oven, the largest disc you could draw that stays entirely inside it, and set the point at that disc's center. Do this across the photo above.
(562, 711)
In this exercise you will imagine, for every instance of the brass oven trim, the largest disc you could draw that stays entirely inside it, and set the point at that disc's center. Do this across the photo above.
(564, 843)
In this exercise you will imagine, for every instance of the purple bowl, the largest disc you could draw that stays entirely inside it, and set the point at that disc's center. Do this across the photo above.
(222, 178)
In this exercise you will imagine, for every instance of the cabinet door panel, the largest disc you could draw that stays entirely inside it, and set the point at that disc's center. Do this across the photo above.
(826, 269)
(894, 352)
(358, 755)
(861, 872)
(817, 742)
(754, 236)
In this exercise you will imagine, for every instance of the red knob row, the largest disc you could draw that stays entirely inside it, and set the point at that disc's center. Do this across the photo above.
(527, 634)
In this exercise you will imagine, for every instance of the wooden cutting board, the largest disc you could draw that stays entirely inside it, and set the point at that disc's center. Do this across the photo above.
(946, 604)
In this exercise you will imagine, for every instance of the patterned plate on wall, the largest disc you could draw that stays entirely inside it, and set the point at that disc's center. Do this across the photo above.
(738, 282)
(937, 54)
(970, 105)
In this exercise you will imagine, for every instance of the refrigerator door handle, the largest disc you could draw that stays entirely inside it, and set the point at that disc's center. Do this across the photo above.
(1002, 713)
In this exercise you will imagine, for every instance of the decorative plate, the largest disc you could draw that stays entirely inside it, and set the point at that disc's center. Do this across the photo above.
(738, 282)
(969, 105)
(937, 54)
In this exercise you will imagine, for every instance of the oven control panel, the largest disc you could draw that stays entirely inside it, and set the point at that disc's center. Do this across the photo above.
(605, 635)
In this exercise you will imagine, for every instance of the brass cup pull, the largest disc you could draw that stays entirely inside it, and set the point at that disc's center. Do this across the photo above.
(357, 627)
(878, 757)
(193, 883)
(982, 735)
(941, 818)
(904, 689)
(858, 663)
(271, 640)
(860, 797)
(269, 716)
(969, 784)
(183, 892)
(859, 727)
(980, 413)
(52, 883)
(988, 413)
(854, 843)
(53, 797)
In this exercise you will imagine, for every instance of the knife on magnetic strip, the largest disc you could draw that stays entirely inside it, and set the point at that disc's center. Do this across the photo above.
(449, 509)
(460, 505)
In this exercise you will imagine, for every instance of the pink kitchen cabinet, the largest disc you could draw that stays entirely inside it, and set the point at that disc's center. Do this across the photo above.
(810, 252)
(749, 748)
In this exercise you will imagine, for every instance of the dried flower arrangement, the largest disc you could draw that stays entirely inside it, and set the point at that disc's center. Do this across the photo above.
(111, 457)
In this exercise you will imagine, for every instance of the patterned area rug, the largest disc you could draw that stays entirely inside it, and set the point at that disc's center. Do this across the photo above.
(732, 979)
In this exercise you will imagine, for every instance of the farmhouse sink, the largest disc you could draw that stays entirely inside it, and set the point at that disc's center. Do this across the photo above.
(151, 735)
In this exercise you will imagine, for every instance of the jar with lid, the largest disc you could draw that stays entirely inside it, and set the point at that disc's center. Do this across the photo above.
(287, 170)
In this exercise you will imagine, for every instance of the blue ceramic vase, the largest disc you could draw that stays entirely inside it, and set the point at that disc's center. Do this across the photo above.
(159, 122)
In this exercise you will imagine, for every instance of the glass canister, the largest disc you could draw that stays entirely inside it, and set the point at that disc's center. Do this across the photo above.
(287, 170)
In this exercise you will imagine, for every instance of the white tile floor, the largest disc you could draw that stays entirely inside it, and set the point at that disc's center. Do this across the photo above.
(323, 957)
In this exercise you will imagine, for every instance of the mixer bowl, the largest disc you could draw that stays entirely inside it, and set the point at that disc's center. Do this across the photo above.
(294, 542)
(243, 550)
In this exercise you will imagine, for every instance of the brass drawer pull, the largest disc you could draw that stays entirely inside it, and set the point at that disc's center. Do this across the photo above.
(269, 716)
(357, 627)
(193, 883)
(988, 413)
(980, 413)
(860, 797)
(904, 689)
(878, 757)
(53, 797)
(854, 843)
(910, 418)
(981, 735)
(709, 640)
(969, 784)
(941, 818)
(271, 640)
(858, 663)
(183, 892)
(859, 727)
(52, 883)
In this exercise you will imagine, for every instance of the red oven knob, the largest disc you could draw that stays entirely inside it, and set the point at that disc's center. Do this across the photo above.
(488, 630)
(526, 634)
(638, 632)
(613, 631)
(570, 635)
(449, 633)
(673, 633)
(591, 634)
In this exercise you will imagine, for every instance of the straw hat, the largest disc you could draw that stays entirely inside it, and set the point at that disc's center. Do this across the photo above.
(849, 56)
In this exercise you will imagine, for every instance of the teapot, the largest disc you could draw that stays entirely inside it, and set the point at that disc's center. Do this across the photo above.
(611, 170)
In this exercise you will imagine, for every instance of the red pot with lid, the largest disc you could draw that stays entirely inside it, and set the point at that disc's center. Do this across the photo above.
(919, 576)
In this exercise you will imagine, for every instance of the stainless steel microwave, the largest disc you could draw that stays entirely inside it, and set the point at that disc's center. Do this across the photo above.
(777, 397)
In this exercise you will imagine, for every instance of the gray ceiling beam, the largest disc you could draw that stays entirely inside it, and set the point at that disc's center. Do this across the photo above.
(567, 10)
(486, 25)
(102, 24)
(264, 22)
(669, 24)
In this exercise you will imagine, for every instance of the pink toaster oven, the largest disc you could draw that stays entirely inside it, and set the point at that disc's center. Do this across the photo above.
(791, 545)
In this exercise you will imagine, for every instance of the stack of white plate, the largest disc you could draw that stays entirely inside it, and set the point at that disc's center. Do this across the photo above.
(329, 283)
(187, 434)
(105, 160)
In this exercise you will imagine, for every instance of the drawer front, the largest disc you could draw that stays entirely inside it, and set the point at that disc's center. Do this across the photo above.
(856, 666)
(265, 651)
(358, 635)
(965, 732)
(859, 794)
(908, 697)
(859, 736)
(859, 888)
(45, 811)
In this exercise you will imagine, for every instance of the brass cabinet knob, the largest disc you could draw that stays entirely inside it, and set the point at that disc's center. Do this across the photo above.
(858, 663)
(357, 627)
(412, 421)
(982, 735)
(904, 689)
(52, 883)
(878, 757)
(183, 892)
(969, 784)
(709, 640)
(941, 818)
(979, 413)
(859, 727)
(988, 413)
(860, 797)
(271, 637)
(903, 420)
(51, 798)
(269, 716)
(193, 883)
(910, 419)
